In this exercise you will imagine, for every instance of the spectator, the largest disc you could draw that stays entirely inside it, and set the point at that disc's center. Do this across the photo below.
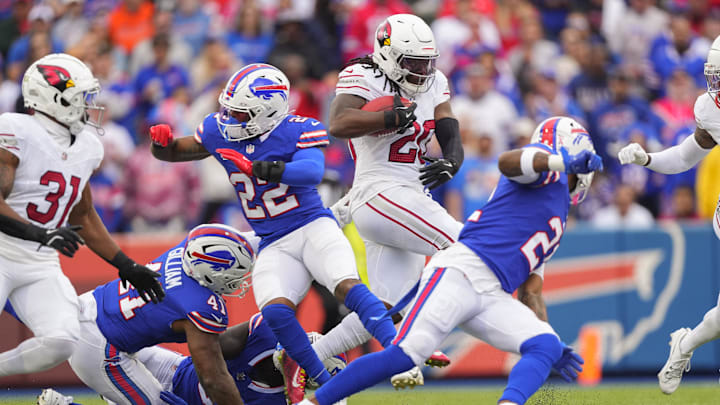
(679, 49)
(73, 24)
(179, 53)
(676, 108)
(533, 53)
(590, 87)
(466, 28)
(683, 204)
(567, 65)
(473, 184)
(293, 37)
(510, 16)
(117, 91)
(305, 93)
(212, 67)
(14, 25)
(192, 24)
(625, 213)
(649, 184)
(547, 99)
(40, 18)
(362, 22)
(483, 110)
(249, 40)
(130, 23)
(9, 93)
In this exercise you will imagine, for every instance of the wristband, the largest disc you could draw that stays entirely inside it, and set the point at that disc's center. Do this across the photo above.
(556, 163)
(121, 261)
(526, 161)
(389, 117)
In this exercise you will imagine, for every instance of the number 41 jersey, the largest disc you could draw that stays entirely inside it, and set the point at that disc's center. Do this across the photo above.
(129, 323)
(520, 227)
(49, 179)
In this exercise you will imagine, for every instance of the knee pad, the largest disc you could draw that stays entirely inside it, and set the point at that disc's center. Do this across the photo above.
(546, 346)
(56, 349)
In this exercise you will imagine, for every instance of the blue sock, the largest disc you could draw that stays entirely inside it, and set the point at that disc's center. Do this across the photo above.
(539, 353)
(281, 319)
(360, 300)
(364, 372)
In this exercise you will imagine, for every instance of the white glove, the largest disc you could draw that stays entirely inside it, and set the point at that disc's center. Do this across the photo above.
(633, 153)
(341, 211)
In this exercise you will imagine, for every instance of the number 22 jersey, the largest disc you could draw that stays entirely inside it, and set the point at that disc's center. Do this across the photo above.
(129, 323)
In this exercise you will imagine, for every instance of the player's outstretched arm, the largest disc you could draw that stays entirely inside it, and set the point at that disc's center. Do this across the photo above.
(347, 120)
(184, 149)
(525, 165)
(677, 159)
(98, 239)
(209, 364)
(447, 132)
(530, 294)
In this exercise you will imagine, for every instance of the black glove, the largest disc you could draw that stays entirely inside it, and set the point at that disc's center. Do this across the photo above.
(143, 279)
(64, 239)
(437, 172)
(400, 116)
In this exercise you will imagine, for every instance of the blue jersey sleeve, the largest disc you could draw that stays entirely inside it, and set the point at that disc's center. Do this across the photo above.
(312, 133)
(305, 169)
(544, 178)
(201, 130)
(207, 312)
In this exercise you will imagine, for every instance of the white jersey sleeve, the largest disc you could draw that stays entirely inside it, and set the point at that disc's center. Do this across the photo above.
(707, 116)
(11, 137)
(362, 81)
(440, 89)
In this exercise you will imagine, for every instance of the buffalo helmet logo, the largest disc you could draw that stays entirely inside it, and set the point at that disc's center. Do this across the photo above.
(218, 260)
(383, 33)
(265, 88)
(56, 76)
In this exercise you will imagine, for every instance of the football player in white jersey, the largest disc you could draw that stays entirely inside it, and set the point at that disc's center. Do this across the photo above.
(398, 221)
(677, 159)
(46, 160)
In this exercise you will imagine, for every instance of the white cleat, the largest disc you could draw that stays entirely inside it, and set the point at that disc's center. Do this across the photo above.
(677, 363)
(409, 378)
(51, 397)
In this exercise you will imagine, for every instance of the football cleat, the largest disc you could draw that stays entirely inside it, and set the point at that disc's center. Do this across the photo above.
(409, 378)
(677, 363)
(438, 359)
(294, 376)
(49, 396)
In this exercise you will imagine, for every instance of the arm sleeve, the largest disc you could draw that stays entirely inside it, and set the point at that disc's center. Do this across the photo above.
(678, 158)
(11, 139)
(305, 169)
(447, 132)
(441, 92)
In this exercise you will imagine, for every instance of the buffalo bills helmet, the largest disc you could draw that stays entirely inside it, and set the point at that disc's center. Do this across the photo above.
(220, 258)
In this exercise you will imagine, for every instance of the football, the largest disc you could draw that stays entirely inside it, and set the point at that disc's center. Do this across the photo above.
(384, 103)
(333, 365)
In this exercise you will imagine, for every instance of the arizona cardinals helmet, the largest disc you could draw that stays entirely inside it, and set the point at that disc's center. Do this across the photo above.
(405, 51)
(62, 87)
(557, 132)
(254, 102)
(712, 70)
(220, 258)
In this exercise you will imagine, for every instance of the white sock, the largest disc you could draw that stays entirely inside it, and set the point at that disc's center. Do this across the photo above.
(707, 330)
(349, 334)
(36, 354)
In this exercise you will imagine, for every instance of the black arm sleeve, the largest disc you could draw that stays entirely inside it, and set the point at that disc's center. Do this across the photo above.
(447, 131)
(19, 229)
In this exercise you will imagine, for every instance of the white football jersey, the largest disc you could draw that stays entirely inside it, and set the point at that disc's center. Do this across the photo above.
(385, 161)
(49, 179)
(707, 116)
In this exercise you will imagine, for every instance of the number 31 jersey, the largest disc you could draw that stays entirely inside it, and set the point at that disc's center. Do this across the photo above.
(520, 227)
(49, 179)
(391, 159)
(129, 323)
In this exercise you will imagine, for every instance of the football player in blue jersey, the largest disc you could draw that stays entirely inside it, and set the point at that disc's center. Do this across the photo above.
(274, 161)
(115, 322)
(502, 248)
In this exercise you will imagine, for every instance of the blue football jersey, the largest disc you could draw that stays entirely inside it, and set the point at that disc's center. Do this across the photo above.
(272, 209)
(129, 323)
(260, 345)
(520, 227)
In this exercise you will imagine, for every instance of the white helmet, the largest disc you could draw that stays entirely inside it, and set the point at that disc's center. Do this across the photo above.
(220, 258)
(258, 94)
(712, 70)
(62, 87)
(557, 132)
(405, 51)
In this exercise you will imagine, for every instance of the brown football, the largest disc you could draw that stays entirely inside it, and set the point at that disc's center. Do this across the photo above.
(384, 103)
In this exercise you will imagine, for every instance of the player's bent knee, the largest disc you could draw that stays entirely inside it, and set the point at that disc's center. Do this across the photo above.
(344, 287)
(547, 346)
(56, 349)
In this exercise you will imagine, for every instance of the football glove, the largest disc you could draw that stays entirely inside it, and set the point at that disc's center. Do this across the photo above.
(569, 365)
(161, 135)
(171, 398)
(633, 153)
(583, 162)
(64, 239)
(437, 172)
(401, 116)
(239, 160)
(143, 279)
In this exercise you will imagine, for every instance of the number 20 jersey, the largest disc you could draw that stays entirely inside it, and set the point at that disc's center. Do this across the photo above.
(49, 179)
(272, 209)
(520, 227)
(129, 323)
(393, 159)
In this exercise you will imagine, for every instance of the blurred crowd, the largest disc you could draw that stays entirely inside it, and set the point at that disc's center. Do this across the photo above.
(629, 70)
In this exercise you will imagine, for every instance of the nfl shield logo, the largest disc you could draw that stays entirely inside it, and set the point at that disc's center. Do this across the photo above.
(250, 148)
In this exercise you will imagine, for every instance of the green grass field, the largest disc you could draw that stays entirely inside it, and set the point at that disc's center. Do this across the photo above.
(616, 394)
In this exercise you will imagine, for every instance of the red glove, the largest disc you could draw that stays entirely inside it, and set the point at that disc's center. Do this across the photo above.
(242, 163)
(161, 135)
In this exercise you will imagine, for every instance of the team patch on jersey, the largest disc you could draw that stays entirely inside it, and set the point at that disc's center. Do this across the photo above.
(313, 139)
